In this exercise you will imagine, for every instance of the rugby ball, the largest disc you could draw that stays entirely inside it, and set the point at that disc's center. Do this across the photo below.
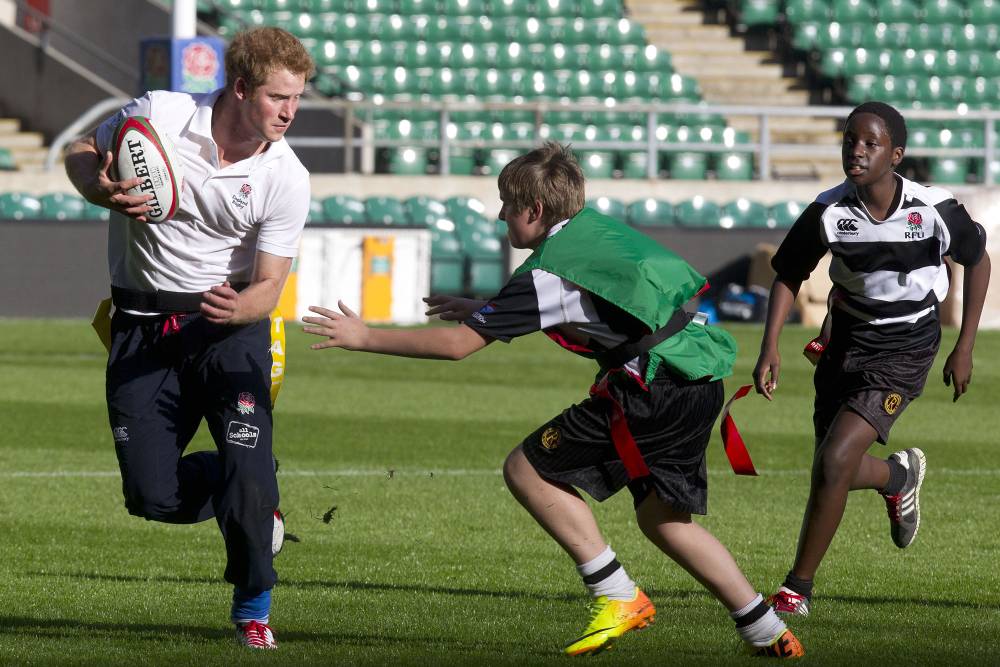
(139, 151)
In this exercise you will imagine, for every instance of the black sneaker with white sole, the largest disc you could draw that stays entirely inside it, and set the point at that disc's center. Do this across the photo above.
(904, 507)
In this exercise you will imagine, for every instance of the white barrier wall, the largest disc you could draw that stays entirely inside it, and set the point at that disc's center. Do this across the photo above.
(984, 206)
(330, 268)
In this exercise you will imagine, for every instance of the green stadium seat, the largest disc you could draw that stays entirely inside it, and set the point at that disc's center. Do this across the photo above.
(465, 211)
(417, 7)
(949, 170)
(486, 265)
(785, 214)
(314, 216)
(600, 8)
(385, 211)
(634, 165)
(95, 212)
(425, 211)
(651, 212)
(853, 11)
(409, 161)
(517, 8)
(646, 59)
(733, 166)
(461, 161)
(555, 9)
(7, 162)
(896, 11)
(983, 12)
(328, 6)
(943, 11)
(687, 166)
(620, 31)
(743, 213)
(344, 210)
(462, 7)
(697, 212)
(596, 164)
(497, 159)
(759, 12)
(447, 265)
(806, 11)
(19, 206)
(446, 29)
(60, 206)
(610, 207)
(806, 36)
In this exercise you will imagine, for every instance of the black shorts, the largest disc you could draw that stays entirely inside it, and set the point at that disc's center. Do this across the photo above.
(671, 424)
(877, 384)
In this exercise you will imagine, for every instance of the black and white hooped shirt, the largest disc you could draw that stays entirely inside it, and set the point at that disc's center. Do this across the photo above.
(889, 273)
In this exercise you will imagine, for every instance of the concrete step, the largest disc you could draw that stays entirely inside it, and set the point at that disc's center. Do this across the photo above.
(22, 140)
(695, 45)
(787, 98)
(786, 124)
(745, 86)
(668, 15)
(727, 68)
(668, 32)
(8, 125)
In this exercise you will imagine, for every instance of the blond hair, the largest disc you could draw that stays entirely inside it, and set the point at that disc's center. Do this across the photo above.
(549, 174)
(255, 54)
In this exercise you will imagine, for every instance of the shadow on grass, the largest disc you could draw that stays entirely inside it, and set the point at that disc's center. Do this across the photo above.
(658, 595)
(306, 584)
(63, 628)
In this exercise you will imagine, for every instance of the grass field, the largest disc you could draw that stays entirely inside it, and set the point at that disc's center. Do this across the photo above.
(427, 560)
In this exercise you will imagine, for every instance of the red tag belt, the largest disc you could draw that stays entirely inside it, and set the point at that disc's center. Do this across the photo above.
(628, 450)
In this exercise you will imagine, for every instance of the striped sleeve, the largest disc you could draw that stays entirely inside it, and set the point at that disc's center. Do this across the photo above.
(803, 247)
(968, 238)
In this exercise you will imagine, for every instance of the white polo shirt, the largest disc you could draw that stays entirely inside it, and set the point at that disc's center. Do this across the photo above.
(225, 214)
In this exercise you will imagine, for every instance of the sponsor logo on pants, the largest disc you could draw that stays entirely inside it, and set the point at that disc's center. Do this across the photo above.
(242, 434)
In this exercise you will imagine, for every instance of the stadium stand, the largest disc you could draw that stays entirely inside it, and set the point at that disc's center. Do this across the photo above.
(922, 54)
(499, 51)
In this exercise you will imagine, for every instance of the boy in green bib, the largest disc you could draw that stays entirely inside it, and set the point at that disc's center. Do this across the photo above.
(602, 290)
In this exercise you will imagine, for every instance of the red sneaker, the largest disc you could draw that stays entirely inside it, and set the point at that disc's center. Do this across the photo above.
(255, 635)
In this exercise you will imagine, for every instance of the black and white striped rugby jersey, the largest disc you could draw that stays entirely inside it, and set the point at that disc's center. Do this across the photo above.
(576, 319)
(885, 272)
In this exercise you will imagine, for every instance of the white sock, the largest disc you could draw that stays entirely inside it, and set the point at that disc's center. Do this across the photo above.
(604, 575)
(765, 626)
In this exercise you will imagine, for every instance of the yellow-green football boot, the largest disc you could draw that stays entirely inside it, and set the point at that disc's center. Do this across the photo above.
(609, 620)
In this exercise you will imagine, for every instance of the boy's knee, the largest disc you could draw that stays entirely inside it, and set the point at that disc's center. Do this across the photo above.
(514, 467)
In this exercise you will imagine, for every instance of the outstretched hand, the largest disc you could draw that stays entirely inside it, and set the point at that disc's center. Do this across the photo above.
(958, 372)
(765, 373)
(452, 308)
(344, 329)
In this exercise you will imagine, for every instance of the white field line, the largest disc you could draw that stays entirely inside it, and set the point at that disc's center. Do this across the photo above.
(452, 472)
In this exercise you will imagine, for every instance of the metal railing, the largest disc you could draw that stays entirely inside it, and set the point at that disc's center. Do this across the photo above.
(764, 149)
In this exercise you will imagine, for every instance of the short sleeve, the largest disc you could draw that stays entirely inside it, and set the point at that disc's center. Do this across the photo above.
(281, 227)
(511, 313)
(142, 106)
(803, 247)
(968, 238)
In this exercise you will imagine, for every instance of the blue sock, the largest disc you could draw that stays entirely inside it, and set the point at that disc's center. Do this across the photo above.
(249, 606)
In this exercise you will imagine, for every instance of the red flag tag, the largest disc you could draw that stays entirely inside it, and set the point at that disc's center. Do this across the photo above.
(732, 441)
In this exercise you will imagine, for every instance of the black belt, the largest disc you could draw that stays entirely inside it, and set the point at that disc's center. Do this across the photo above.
(160, 301)
(620, 355)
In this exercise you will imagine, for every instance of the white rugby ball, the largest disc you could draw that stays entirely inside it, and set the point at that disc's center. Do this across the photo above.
(139, 151)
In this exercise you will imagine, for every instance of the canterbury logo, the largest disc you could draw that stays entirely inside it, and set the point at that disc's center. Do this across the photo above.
(847, 225)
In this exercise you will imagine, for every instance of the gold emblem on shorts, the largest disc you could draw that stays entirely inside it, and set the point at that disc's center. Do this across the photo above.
(551, 438)
(891, 403)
